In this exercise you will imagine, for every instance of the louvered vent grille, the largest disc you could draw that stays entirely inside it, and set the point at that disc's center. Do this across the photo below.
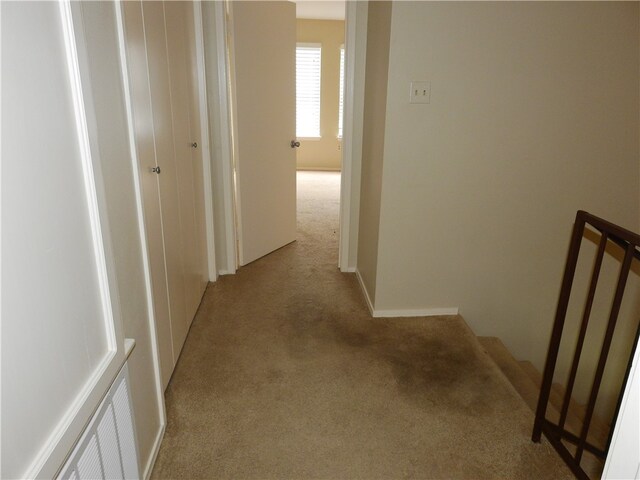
(107, 449)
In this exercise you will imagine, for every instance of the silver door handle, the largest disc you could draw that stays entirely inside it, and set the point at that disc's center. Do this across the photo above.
(294, 144)
(156, 170)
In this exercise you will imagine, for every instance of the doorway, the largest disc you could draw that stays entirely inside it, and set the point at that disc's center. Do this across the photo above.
(319, 106)
(227, 123)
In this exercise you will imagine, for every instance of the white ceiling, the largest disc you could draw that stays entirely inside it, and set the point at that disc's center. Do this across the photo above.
(320, 9)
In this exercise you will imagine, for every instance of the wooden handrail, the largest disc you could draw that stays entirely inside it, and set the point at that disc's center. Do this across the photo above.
(629, 242)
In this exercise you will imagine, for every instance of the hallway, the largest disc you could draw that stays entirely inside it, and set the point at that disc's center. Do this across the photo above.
(285, 374)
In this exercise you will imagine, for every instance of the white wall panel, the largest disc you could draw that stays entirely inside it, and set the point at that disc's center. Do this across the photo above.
(61, 339)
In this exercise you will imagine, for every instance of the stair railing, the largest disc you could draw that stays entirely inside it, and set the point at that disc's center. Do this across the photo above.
(555, 433)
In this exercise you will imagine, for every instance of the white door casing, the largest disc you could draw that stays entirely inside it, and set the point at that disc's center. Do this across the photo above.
(201, 98)
(355, 45)
(214, 58)
(264, 39)
(220, 50)
(62, 341)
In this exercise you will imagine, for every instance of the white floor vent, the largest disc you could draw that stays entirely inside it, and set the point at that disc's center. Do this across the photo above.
(107, 449)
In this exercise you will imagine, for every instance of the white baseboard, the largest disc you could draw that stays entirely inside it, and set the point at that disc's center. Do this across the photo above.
(226, 272)
(318, 169)
(419, 312)
(349, 270)
(154, 453)
(364, 291)
(403, 312)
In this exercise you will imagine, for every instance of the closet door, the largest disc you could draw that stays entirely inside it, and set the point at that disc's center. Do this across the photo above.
(196, 154)
(179, 22)
(145, 149)
(163, 127)
(161, 53)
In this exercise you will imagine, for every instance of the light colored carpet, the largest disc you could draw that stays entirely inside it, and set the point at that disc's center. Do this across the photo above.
(285, 375)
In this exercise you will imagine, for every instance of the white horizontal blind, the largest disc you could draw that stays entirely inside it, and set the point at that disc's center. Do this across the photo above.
(308, 67)
(340, 106)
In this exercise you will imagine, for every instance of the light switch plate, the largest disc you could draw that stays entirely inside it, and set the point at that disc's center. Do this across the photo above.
(420, 92)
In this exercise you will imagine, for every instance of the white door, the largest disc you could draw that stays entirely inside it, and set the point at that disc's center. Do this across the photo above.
(184, 107)
(145, 149)
(201, 268)
(160, 88)
(264, 42)
(62, 341)
(160, 39)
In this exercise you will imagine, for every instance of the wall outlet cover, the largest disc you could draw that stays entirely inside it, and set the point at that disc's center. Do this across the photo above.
(420, 92)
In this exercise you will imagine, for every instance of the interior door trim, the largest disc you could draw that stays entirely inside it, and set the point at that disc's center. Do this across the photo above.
(205, 141)
(223, 114)
(351, 146)
(350, 181)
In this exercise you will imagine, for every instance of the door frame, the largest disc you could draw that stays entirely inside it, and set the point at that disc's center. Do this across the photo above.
(224, 120)
(205, 141)
(352, 121)
(354, 41)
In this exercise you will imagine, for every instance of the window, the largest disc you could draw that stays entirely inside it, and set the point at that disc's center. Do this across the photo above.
(340, 105)
(308, 62)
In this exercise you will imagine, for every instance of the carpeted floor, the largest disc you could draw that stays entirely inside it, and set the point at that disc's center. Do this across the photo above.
(285, 375)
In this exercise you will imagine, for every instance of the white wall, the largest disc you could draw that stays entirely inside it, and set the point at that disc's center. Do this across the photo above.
(63, 327)
(356, 21)
(533, 115)
(373, 127)
(324, 153)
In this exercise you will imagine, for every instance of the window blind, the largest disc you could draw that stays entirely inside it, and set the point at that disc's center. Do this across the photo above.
(308, 67)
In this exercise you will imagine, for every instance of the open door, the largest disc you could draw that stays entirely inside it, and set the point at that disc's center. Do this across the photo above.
(263, 77)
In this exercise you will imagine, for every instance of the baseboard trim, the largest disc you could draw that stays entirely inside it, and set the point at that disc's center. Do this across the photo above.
(226, 272)
(154, 454)
(364, 291)
(349, 270)
(403, 312)
(318, 169)
(419, 312)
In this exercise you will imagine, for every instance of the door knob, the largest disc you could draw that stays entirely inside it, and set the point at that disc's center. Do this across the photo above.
(156, 170)
(194, 145)
(294, 144)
